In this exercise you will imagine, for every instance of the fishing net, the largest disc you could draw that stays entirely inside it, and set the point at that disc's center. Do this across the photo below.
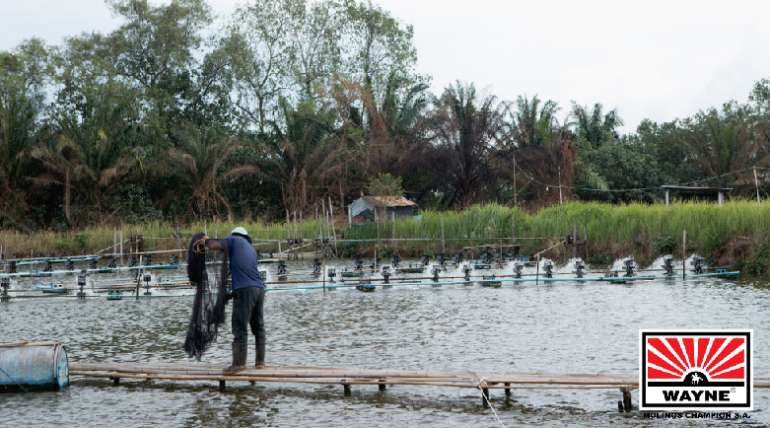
(210, 300)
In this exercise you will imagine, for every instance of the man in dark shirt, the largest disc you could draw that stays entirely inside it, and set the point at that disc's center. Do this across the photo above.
(248, 295)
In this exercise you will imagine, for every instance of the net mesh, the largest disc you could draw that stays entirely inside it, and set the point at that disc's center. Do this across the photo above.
(210, 300)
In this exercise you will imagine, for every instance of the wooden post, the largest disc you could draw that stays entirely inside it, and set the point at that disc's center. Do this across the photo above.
(323, 226)
(443, 238)
(334, 230)
(115, 380)
(627, 404)
(515, 189)
(346, 389)
(178, 236)
(381, 385)
(507, 391)
(537, 270)
(138, 278)
(222, 384)
(668, 198)
(513, 229)
(393, 230)
(485, 397)
(756, 183)
(684, 253)
(560, 198)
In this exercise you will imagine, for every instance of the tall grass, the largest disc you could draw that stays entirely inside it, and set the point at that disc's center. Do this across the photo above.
(709, 226)
(611, 230)
(157, 236)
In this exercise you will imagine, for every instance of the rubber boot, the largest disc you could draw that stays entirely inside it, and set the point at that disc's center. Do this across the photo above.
(260, 353)
(239, 359)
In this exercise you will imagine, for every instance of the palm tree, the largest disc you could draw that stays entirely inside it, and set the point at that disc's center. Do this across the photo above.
(83, 168)
(534, 121)
(297, 155)
(594, 126)
(721, 141)
(22, 75)
(62, 162)
(403, 106)
(395, 128)
(468, 129)
(204, 162)
(542, 149)
(100, 153)
(17, 133)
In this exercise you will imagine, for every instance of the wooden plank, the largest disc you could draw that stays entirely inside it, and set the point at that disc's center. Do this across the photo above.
(359, 376)
(277, 371)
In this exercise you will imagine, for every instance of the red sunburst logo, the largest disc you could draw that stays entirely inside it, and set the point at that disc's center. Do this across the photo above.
(673, 357)
(683, 370)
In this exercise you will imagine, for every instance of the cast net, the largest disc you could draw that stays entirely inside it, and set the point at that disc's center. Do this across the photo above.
(211, 294)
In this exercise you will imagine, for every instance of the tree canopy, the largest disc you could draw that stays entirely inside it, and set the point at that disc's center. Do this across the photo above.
(286, 103)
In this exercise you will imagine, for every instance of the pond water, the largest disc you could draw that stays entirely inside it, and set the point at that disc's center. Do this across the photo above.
(556, 328)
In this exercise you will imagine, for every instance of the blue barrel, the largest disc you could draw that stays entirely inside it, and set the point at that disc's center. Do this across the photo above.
(28, 366)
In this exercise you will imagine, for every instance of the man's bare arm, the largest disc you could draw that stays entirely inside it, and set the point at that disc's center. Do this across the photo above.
(214, 244)
(211, 244)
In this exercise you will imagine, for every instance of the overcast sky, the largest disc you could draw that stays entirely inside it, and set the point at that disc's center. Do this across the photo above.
(650, 59)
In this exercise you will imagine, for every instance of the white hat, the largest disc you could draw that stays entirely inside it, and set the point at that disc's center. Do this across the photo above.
(239, 231)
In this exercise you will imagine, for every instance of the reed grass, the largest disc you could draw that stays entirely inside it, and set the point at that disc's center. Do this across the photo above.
(157, 236)
(643, 230)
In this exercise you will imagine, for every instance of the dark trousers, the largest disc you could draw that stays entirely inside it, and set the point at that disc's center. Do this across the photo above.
(247, 311)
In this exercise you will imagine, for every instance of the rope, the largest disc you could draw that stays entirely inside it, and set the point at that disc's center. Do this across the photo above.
(485, 397)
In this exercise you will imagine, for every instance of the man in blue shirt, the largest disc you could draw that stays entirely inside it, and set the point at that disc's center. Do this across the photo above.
(248, 294)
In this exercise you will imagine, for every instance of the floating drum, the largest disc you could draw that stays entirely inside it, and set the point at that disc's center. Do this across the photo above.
(29, 366)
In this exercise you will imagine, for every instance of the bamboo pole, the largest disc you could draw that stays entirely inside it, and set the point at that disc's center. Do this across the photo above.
(443, 237)
(138, 278)
(515, 188)
(334, 232)
(178, 236)
(684, 253)
(756, 183)
(574, 241)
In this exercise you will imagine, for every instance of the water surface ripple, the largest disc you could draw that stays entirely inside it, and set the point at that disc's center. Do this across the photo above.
(589, 328)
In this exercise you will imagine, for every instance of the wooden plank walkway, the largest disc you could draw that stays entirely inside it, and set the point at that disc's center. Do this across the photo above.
(346, 377)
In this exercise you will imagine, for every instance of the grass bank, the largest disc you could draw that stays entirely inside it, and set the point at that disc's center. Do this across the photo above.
(736, 233)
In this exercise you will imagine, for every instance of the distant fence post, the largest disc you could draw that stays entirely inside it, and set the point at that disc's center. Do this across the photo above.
(756, 183)
(443, 238)
(684, 253)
